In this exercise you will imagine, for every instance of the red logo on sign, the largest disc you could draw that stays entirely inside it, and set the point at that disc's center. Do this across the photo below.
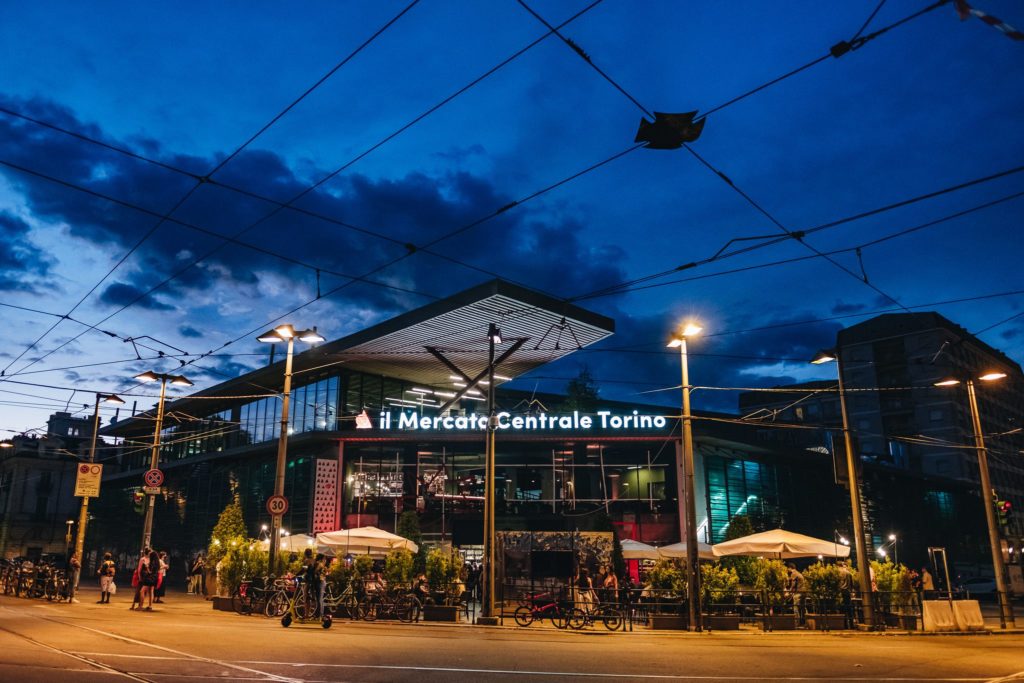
(84, 469)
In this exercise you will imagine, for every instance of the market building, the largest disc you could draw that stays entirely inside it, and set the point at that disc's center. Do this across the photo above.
(393, 418)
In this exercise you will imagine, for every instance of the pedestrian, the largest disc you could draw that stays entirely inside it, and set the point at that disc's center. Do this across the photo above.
(796, 586)
(846, 591)
(320, 580)
(927, 584)
(75, 565)
(137, 578)
(610, 586)
(161, 588)
(195, 575)
(149, 577)
(106, 573)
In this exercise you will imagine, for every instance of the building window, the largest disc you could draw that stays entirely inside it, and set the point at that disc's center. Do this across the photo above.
(936, 414)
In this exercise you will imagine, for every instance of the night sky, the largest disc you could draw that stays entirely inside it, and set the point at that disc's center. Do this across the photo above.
(931, 104)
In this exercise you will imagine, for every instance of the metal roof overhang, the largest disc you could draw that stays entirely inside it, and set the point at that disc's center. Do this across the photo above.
(456, 326)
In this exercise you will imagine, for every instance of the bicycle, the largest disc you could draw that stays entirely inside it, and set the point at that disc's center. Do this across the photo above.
(611, 617)
(253, 595)
(405, 607)
(346, 602)
(542, 605)
(303, 608)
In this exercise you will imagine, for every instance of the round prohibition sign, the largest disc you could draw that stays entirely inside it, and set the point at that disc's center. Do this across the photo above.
(277, 505)
(153, 477)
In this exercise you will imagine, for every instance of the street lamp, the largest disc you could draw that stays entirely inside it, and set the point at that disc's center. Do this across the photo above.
(288, 334)
(83, 513)
(864, 575)
(1005, 610)
(154, 456)
(685, 488)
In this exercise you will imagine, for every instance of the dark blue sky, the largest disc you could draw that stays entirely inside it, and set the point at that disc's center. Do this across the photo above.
(930, 104)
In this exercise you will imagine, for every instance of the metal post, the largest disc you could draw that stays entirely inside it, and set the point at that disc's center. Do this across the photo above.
(83, 514)
(1005, 610)
(282, 454)
(863, 564)
(686, 491)
(154, 462)
(489, 475)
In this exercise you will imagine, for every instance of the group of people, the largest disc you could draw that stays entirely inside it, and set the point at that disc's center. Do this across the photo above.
(148, 579)
(588, 592)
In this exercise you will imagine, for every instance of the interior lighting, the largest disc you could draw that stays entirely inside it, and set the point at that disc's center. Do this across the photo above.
(992, 376)
(493, 333)
(947, 382)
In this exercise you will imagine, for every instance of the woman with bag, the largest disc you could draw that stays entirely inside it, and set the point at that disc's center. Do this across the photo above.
(106, 573)
(149, 577)
(137, 579)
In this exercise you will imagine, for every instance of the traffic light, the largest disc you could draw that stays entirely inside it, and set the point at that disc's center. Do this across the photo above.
(138, 498)
(1004, 510)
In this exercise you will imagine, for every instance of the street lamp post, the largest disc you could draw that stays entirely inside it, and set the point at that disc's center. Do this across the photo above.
(685, 487)
(83, 513)
(154, 456)
(863, 564)
(288, 334)
(1005, 610)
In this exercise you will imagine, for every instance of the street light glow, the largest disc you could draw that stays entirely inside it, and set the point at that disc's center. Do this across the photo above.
(147, 376)
(824, 356)
(947, 382)
(992, 376)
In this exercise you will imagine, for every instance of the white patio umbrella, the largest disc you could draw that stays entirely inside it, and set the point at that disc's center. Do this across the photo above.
(677, 550)
(366, 540)
(298, 544)
(635, 550)
(781, 544)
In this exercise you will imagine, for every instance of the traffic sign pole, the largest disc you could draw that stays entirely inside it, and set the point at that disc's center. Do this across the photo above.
(154, 461)
(83, 512)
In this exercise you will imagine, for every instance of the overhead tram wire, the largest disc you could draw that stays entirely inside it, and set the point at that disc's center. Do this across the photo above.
(636, 285)
(199, 182)
(338, 170)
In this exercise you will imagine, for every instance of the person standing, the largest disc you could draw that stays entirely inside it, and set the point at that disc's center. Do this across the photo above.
(195, 575)
(75, 568)
(927, 584)
(161, 588)
(149, 577)
(137, 584)
(106, 573)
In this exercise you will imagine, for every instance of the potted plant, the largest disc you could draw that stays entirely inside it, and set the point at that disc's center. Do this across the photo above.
(770, 581)
(718, 587)
(895, 597)
(666, 586)
(824, 587)
(441, 572)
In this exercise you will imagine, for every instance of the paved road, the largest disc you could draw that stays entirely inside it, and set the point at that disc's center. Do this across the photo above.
(186, 642)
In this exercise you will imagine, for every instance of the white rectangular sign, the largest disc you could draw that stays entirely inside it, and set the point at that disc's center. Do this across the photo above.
(87, 483)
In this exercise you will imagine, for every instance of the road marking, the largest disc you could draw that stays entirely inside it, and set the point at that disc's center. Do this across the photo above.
(133, 641)
(583, 674)
(1019, 676)
(103, 668)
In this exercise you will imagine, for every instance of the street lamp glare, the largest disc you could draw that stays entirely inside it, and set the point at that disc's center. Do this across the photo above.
(881, 552)
(494, 333)
(112, 398)
(311, 336)
(947, 382)
(824, 356)
(147, 376)
(892, 537)
(692, 329)
(270, 337)
(285, 331)
(181, 381)
(992, 376)
(6, 444)
(264, 527)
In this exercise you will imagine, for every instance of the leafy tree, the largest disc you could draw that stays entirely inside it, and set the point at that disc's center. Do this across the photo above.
(243, 559)
(666, 575)
(824, 583)
(398, 566)
(770, 579)
(745, 567)
(718, 584)
(409, 527)
(230, 527)
(363, 565)
(441, 570)
(581, 392)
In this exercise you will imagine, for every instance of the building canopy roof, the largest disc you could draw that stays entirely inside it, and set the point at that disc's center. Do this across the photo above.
(545, 329)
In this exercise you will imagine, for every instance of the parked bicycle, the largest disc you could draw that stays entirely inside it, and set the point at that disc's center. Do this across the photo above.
(381, 605)
(540, 606)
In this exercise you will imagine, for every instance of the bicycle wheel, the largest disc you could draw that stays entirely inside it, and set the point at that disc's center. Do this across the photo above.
(577, 618)
(305, 604)
(50, 590)
(611, 618)
(240, 602)
(407, 609)
(348, 606)
(277, 605)
(559, 617)
(524, 616)
(369, 609)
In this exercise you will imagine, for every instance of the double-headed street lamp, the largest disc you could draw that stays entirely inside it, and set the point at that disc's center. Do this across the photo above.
(83, 514)
(1005, 611)
(287, 334)
(863, 564)
(154, 456)
(685, 488)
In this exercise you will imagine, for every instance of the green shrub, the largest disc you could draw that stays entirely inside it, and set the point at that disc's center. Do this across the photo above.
(442, 570)
(667, 575)
(892, 581)
(824, 583)
(770, 578)
(242, 560)
(746, 567)
(718, 584)
(364, 566)
(398, 567)
(230, 528)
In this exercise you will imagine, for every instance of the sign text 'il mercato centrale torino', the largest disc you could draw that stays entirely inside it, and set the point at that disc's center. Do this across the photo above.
(603, 419)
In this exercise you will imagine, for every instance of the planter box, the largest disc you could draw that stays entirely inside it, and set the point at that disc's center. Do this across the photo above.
(779, 622)
(222, 604)
(669, 622)
(826, 622)
(901, 621)
(440, 613)
(721, 622)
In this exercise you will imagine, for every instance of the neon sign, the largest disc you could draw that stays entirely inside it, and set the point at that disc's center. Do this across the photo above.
(603, 419)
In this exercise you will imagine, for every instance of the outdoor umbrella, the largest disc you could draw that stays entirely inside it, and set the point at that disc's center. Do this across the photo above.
(679, 550)
(635, 550)
(366, 540)
(298, 544)
(781, 544)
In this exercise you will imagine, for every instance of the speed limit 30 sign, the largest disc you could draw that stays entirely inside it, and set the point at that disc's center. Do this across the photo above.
(277, 505)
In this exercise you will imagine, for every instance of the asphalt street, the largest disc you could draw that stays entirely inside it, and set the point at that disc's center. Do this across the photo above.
(186, 641)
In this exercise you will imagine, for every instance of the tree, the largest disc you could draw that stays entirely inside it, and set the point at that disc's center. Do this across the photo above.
(745, 567)
(581, 392)
(230, 527)
(409, 527)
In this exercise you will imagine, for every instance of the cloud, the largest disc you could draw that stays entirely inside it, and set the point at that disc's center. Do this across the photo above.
(23, 264)
(189, 331)
(841, 308)
(121, 294)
